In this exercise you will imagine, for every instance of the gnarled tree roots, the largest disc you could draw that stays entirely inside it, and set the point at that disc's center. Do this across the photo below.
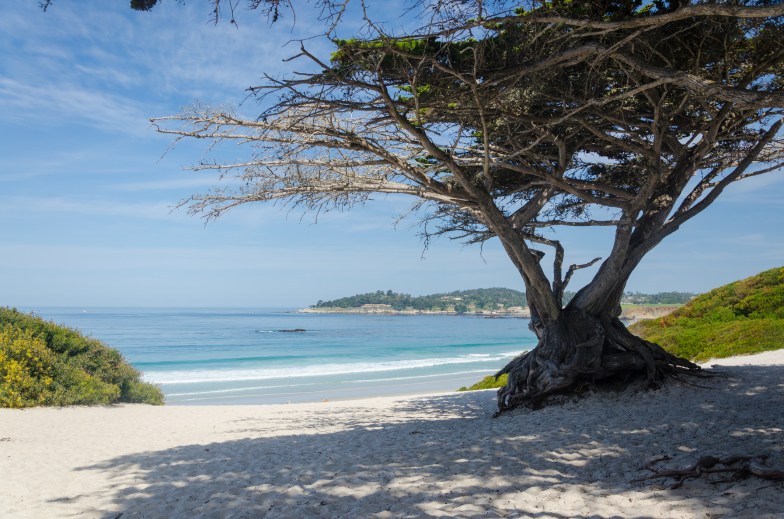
(582, 350)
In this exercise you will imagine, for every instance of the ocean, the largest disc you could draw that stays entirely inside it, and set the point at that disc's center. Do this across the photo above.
(243, 356)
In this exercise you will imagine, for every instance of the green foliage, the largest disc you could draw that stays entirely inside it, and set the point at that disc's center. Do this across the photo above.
(740, 318)
(352, 48)
(42, 363)
(606, 10)
(489, 382)
(141, 392)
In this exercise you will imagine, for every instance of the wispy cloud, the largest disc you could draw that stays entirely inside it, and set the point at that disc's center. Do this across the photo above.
(116, 68)
(85, 206)
(109, 75)
(107, 160)
(63, 104)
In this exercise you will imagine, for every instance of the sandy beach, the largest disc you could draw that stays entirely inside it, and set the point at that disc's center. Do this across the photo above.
(425, 456)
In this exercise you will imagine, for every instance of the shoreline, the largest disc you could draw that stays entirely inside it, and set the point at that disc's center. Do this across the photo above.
(523, 314)
(434, 455)
(437, 384)
(629, 313)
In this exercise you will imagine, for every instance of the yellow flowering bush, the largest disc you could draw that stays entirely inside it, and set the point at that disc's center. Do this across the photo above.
(42, 363)
(26, 367)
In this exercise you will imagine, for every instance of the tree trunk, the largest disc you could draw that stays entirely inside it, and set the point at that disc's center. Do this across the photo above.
(579, 350)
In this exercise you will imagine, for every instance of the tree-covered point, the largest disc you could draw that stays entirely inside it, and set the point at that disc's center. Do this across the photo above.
(42, 363)
(741, 318)
(460, 300)
(480, 299)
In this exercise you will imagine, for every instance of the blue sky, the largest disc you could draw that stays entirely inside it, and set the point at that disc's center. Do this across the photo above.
(87, 187)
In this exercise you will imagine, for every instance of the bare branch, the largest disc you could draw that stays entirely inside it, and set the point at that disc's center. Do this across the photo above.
(576, 267)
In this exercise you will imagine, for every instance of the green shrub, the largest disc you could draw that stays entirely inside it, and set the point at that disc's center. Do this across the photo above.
(740, 318)
(42, 363)
(135, 391)
(713, 340)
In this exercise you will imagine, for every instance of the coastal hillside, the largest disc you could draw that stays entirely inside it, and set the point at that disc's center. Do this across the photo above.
(740, 318)
(42, 363)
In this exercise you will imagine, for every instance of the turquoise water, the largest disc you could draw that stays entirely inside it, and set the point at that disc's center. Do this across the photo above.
(253, 356)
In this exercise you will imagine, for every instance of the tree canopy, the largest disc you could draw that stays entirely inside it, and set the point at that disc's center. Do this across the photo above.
(630, 115)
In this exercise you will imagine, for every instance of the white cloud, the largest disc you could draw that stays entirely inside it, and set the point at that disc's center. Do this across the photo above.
(68, 104)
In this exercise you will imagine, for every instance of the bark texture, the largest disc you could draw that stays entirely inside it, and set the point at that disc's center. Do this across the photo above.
(579, 350)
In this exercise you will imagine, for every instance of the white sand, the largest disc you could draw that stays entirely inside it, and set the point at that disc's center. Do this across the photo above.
(427, 456)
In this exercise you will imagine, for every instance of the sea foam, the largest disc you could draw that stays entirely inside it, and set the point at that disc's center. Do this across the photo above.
(266, 373)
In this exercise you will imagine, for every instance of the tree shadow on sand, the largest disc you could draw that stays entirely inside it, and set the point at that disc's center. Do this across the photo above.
(445, 457)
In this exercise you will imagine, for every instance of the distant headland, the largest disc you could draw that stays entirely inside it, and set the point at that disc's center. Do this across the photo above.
(486, 302)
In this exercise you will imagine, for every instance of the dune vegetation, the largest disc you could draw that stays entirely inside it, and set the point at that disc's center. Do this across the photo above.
(45, 364)
(489, 382)
(740, 318)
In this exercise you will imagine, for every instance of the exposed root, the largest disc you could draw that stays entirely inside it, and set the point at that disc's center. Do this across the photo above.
(738, 467)
(585, 351)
